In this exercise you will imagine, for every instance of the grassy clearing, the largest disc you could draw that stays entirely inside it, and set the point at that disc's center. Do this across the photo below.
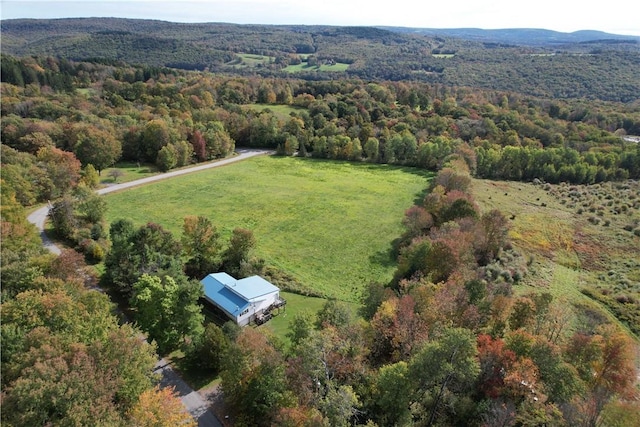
(248, 60)
(87, 91)
(580, 240)
(298, 68)
(328, 224)
(130, 172)
(279, 324)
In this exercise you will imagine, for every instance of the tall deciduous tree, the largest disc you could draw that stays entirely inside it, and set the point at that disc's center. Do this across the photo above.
(97, 147)
(606, 363)
(62, 216)
(155, 135)
(393, 394)
(217, 140)
(444, 368)
(199, 145)
(253, 379)
(207, 350)
(241, 244)
(169, 312)
(167, 158)
(62, 168)
(201, 246)
(150, 249)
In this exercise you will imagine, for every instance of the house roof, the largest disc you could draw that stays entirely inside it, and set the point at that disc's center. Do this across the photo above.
(252, 287)
(216, 291)
(232, 295)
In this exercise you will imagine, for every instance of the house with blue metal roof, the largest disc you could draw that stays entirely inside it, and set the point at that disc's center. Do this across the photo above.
(247, 300)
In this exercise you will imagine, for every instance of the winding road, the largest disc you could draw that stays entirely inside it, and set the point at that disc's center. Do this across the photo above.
(193, 401)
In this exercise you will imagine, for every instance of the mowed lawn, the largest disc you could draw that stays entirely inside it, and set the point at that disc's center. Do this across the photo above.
(329, 224)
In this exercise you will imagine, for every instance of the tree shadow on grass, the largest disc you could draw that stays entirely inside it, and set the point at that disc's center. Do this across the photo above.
(387, 257)
(195, 377)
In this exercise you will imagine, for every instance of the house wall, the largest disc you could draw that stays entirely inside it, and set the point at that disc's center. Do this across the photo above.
(256, 308)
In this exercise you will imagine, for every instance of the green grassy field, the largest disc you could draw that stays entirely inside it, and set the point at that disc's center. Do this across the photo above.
(279, 324)
(249, 60)
(339, 67)
(328, 224)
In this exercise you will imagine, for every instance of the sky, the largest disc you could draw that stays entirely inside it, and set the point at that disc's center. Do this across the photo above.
(612, 16)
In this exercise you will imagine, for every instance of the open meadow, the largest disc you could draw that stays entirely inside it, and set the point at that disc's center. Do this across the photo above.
(328, 224)
(582, 243)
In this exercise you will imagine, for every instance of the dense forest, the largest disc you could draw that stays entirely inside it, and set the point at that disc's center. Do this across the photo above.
(587, 65)
(448, 341)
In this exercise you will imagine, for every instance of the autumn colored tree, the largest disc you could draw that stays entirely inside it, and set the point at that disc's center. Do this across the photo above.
(58, 388)
(130, 359)
(397, 330)
(69, 265)
(61, 167)
(66, 358)
(606, 363)
(417, 222)
(160, 407)
(218, 143)
(451, 179)
(253, 379)
(495, 360)
(491, 237)
(199, 145)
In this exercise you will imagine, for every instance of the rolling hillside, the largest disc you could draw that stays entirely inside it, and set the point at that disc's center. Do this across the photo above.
(584, 64)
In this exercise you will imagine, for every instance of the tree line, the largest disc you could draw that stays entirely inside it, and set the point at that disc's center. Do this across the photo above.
(173, 119)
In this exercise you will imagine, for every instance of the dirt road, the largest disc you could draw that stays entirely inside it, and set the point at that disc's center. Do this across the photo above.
(193, 401)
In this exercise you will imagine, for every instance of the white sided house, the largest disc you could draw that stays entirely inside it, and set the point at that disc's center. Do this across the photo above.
(244, 301)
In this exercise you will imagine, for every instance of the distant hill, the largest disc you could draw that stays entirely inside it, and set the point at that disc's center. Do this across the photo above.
(519, 36)
(584, 64)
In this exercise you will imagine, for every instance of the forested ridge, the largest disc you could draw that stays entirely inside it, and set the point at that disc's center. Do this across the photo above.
(450, 340)
(595, 66)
